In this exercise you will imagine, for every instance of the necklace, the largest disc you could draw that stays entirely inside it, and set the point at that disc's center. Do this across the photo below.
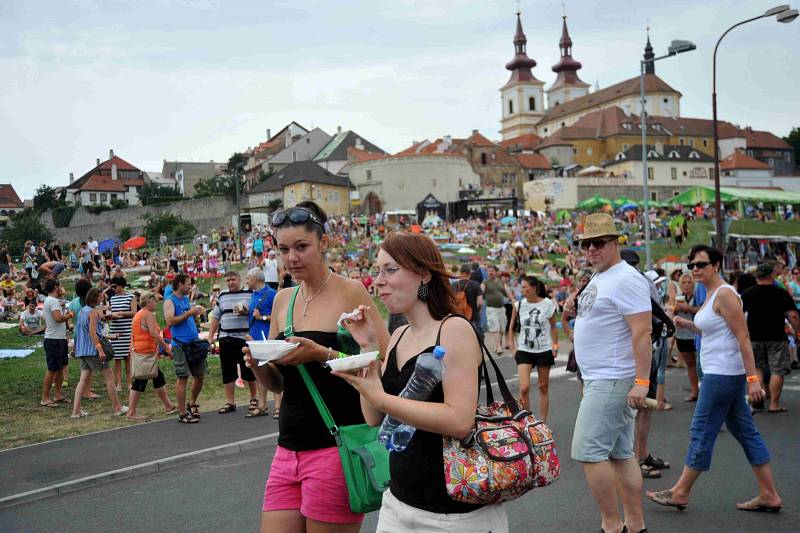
(307, 301)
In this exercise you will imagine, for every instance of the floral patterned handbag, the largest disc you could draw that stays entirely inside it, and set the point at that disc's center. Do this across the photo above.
(507, 453)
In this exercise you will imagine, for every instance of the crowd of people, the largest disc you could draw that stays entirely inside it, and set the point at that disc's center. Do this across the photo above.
(735, 333)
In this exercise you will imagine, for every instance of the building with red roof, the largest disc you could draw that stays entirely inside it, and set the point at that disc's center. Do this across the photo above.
(741, 165)
(10, 202)
(112, 179)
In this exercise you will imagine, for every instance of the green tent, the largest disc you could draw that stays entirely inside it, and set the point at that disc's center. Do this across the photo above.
(735, 194)
(595, 202)
(623, 200)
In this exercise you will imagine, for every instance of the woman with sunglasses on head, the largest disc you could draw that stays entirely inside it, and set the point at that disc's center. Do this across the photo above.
(728, 373)
(413, 280)
(306, 489)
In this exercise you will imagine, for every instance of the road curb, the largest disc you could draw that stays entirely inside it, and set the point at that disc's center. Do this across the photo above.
(128, 472)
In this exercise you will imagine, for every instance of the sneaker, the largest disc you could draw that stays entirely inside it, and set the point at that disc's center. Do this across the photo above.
(81, 414)
(122, 410)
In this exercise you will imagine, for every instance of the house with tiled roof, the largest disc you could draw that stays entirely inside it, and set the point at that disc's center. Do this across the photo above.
(741, 165)
(10, 202)
(761, 145)
(670, 169)
(523, 143)
(303, 180)
(534, 165)
(333, 156)
(263, 151)
(112, 179)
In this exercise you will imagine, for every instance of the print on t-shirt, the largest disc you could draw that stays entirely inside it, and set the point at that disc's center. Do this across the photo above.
(535, 326)
(586, 300)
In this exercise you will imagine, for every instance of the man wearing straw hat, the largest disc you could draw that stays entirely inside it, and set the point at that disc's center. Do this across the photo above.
(613, 351)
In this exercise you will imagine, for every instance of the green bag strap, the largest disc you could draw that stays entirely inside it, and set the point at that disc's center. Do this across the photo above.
(288, 331)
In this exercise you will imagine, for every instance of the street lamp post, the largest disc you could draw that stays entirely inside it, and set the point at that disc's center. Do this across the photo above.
(677, 47)
(783, 14)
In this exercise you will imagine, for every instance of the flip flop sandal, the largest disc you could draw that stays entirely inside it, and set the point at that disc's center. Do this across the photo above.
(648, 472)
(256, 413)
(48, 404)
(277, 414)
(664, 498)
(171, 411)
(227, 408)
(690, 399)
(187, 419)
(66, 401)
(757, 506)
(780, 409)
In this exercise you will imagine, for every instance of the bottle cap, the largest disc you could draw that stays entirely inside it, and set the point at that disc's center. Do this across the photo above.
(438, 352)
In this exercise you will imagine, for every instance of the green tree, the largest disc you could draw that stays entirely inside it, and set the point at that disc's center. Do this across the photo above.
(174, 227)
(794, 139)
(152, 193)
(45, 198)
(214, 186)
(22, 228)
(124, 234)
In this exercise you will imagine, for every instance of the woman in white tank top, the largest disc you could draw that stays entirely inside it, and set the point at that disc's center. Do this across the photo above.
(728, 373)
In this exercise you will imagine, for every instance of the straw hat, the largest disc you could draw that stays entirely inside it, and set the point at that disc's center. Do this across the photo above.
(598, 225)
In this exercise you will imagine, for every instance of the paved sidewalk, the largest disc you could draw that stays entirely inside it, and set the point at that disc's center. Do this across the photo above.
(42, 465)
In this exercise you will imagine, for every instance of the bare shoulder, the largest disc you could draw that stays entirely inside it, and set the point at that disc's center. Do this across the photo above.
(458, 333)
(353, 291)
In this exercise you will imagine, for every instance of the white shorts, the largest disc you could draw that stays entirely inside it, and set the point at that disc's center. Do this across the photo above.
(495, 319)
(397, 516)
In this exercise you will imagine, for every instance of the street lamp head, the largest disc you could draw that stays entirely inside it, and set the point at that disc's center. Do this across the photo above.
(787, 16)
(679, 46)
(776, 10)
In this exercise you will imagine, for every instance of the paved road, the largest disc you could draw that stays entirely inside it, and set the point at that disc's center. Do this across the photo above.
(224, 494)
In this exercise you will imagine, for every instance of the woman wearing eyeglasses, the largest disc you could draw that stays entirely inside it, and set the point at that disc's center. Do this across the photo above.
(413, 280)
(306, 489)
(728, 373)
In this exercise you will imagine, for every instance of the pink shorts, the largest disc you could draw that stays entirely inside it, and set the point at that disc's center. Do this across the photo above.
(312, 482)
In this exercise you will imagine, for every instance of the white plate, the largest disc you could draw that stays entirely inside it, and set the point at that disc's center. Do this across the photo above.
(352, 362)
(270, 350)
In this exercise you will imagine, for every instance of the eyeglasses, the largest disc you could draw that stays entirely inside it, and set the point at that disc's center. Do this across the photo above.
(295, 215)
(698, 264)
(387, 272)
(597, 243)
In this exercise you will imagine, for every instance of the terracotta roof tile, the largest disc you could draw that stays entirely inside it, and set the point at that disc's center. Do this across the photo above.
(8, 196)
(476, 139)
(97, 182)
(524, 142)
(356, 156)
(741, 161)
(537, 161)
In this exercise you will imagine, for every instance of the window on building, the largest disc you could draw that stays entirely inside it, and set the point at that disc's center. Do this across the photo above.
(113, 196)
(369, 175)
(771, 162)
(92, 197)
(649, 173)
(694, 155)
(653, 196)
(433, 182)
(103, 197)
(666, 100)
(673, 172)
(674, 154)
(319, 193)
(625, 147)
(705, 143)
(682, 141)
(627, 126)
(484, 159)
(588, 151)
(563, 124)
(510, 107)
(291, 196)
(750, 153)
(675, 193)
(787, 156)
(336, 196)
(691, 142)
(531, 104)
(545, 130)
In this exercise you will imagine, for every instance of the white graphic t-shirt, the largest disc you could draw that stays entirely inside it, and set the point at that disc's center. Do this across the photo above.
(603, 342)
(534, 325)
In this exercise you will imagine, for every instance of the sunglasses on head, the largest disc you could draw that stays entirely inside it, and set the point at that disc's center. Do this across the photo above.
(295, 215)
(597, 243)
(698, 264)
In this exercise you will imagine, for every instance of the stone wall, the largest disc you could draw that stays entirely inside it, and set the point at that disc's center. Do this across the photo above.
(204, 213)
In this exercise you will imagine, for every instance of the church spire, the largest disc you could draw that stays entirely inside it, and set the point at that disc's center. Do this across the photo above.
(567, 68)
(649, 68)
(521, 65)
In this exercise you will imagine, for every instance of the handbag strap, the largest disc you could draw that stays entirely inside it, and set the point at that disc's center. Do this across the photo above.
(288, 331)
(261, 301)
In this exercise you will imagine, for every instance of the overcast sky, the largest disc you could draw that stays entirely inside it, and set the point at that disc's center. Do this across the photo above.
(198, 80)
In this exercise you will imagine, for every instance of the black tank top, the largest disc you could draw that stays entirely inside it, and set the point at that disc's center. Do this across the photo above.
(418, 471)
(301, 426)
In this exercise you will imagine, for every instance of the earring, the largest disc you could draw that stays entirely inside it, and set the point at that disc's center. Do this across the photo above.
(423, 293)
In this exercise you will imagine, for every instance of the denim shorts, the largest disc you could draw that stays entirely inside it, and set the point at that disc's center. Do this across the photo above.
(604, 427)
(183, 368)
(722, 400)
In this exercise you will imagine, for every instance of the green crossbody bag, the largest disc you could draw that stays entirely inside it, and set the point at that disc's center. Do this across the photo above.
(365, 461)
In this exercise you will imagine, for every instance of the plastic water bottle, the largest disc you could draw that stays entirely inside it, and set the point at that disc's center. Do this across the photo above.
(427, 374)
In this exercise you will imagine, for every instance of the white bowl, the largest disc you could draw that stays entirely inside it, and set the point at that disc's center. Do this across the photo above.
(270, 350)
(352, 362)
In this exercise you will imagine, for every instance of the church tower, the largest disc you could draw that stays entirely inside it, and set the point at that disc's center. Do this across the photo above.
(522, 97)
(649, 68)
(568, 85)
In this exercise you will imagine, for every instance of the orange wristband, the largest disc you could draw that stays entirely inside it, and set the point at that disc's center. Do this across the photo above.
(645, 382)
(752, 379)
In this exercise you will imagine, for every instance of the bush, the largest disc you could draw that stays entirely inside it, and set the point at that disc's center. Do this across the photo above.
(124, 234)
(24, 228)
(62, 215)
(173, 226)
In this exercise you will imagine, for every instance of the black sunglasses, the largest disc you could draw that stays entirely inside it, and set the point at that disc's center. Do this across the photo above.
(597, 243)
(295, 215)
(698, 264)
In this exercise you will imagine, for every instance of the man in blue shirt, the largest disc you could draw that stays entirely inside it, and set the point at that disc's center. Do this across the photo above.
(259, 315)
(180, 317)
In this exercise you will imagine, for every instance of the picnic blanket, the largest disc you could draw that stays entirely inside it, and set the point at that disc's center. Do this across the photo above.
(10, 354)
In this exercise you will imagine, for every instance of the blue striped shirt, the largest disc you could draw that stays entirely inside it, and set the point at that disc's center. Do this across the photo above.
(84, 346)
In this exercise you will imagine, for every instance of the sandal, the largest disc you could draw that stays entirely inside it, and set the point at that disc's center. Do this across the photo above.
(48, 404)
(194, 409)
(81, 414)
(65, 401)
(187, 419)
(690, 399)
(758, 506)
(648, 472)
(256, 413)
(227, 408)
(171, 411)
(664, 497)
(253, 404)
(655, 462)
(277, 414)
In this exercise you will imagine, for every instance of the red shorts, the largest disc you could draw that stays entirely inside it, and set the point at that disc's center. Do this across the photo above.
(312, 482)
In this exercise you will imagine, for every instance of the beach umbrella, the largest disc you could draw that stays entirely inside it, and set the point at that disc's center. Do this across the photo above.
(508, 220)
(432, 220)
(105, 245)
(622, 201)
(595, 202)
(134, 243)
(629, 206)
